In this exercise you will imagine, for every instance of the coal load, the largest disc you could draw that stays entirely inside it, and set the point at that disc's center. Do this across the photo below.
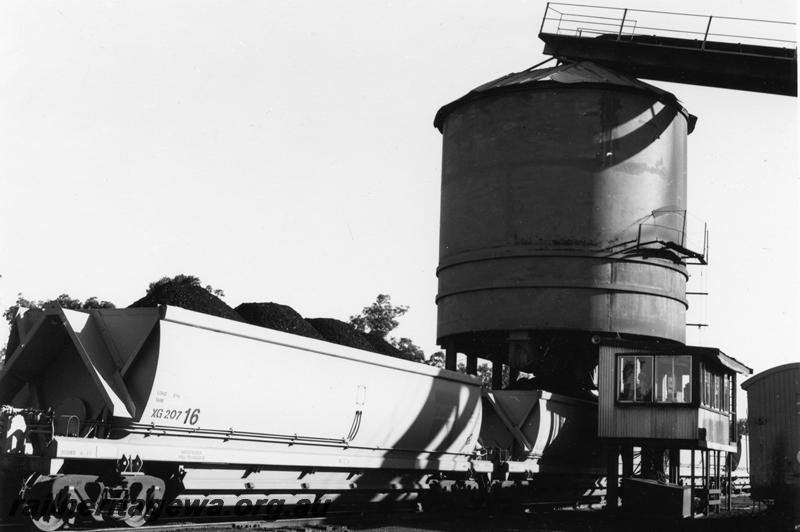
(341, 333)
(279, 317)
(379, 345)
(188, 296)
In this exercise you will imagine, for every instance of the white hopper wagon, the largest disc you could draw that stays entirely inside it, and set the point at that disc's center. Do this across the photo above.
(125, 411)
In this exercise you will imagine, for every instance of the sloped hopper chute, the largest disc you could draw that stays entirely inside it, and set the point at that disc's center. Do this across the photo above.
(85, 365)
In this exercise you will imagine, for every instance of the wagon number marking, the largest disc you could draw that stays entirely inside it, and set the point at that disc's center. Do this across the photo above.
(190, 416)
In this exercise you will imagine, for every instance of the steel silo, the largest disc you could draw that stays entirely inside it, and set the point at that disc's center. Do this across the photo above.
(563, 210)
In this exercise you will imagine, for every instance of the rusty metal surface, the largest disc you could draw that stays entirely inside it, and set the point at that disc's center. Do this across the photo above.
(544, 191)
(773, 416)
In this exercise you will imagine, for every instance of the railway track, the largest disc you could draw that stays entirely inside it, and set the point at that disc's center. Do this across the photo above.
(315, 524)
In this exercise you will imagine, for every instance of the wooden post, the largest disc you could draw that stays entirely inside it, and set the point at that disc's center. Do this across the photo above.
(718, 474)
(451, 355)
(674, 465)
(612, 478)
(472, 365)
(627, 461)
(707, 480)
(728, 476)
(691, 484)
(497, 375)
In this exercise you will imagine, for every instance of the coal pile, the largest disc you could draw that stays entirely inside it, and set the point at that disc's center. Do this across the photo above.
(188, 296)
(279, 317)
(341, 333)
(379, 345)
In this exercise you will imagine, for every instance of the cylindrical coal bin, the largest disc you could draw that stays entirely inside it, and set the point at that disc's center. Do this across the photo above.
(553, 184)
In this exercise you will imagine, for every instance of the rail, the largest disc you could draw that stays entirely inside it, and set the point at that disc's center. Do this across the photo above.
(693, 30)
(662, 229)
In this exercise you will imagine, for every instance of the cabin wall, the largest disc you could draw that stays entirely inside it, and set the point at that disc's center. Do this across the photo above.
(659, 421)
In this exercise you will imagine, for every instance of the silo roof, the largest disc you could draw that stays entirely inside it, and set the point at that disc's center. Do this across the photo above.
(583, 72)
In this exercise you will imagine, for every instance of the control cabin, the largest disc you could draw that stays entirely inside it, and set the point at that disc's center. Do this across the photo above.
(670, 395)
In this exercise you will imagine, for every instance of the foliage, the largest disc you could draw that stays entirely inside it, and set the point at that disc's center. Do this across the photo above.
(181, 278)
(437, 359)
(485, 374)
(405, 345)
(380, 317)
(742, 427)
(64, 300)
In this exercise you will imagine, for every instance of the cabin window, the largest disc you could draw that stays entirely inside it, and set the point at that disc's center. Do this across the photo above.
(673, 379)
(660, 379)
(716, 390)
(635, 378)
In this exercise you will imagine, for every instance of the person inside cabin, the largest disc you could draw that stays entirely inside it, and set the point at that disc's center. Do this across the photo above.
(626, 393)
(669, 389)
(644, 386)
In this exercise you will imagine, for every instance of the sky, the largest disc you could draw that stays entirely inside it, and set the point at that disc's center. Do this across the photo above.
(284, 151)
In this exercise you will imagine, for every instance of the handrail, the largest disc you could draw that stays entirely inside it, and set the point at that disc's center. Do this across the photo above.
(617, 20)
(550, 4)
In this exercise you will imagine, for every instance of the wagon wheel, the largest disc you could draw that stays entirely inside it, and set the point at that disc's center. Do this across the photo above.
(48, 523)
(142, 511)
(135, 521)
(47, 517)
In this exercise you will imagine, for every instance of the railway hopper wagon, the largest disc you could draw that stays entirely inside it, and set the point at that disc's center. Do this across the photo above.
(129, 411)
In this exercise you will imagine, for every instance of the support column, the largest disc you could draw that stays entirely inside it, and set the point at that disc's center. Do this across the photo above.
(472, 365)
(612, 478)
(497, 375)
(691, 483)
(674, 465)
(717, 474)
(450, 355)
(627, 461)
(729, 479)
(707, 479)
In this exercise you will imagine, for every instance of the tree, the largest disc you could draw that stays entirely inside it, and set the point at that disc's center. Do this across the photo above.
(741, 426)
(436, 360)
(405, 345)
(485, 374)
(484, 370)
(380, 317)
(64, 300)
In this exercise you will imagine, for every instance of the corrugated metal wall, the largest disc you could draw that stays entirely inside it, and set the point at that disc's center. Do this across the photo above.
(773, 405)
(637, 421)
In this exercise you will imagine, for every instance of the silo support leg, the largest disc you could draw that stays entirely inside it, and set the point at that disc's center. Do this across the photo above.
(612, 478)
(627, 461)
(497, 375)
(450, 356)
(674, 465)
(472, 365)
